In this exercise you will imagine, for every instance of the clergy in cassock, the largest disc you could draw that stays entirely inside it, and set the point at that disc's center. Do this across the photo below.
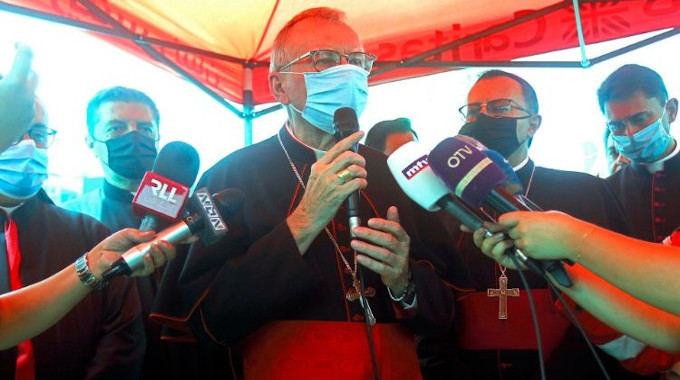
(495, 328)
(102, 337)
(635, 103)
(288, 291)
(638, 112)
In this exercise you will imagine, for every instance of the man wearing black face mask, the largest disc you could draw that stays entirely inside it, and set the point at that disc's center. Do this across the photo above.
(502, 113)
(122, 126)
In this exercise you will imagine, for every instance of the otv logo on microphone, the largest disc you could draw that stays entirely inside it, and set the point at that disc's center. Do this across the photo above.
(459, 156)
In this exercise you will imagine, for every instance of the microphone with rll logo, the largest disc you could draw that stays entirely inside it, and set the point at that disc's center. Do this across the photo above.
(474, 177)
(346, 123)
(164, 190)
(205, 218)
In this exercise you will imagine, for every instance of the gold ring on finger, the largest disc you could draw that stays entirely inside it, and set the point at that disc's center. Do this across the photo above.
(344, 175)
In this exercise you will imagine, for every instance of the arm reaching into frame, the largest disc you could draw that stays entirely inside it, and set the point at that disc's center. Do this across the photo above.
(17, 97)
(29, 311)
(637, 267)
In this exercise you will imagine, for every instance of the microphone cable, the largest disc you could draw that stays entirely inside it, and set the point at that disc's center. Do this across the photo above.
(570, 314)
(369, 328)
(575, 321)
(534, 315)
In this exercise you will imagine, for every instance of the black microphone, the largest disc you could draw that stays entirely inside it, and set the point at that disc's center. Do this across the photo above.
(164, 190)
(345, 123)
(478, 179)
(205, 218)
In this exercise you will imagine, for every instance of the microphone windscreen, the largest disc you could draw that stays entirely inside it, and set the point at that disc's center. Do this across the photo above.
(179, 162)
(465, 170)
(409, 166)
(345, 121)
(511, 183)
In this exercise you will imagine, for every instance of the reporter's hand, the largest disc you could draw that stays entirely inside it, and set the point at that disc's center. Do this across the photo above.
(17, 97)
(108, 251)
(493, 242)
(544, 235)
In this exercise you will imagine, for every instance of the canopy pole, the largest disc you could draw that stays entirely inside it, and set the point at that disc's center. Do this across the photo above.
(579, 30)
(248, 103)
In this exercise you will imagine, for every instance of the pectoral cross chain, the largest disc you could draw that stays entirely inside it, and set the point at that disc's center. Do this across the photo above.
(503, 293)
(354, 293)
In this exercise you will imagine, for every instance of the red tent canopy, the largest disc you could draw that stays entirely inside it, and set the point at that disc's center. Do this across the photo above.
(223, 46)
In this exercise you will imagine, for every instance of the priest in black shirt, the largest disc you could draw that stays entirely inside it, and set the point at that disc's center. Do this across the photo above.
(502, 113)
(285, 289)
(638, 112)
(103, 336)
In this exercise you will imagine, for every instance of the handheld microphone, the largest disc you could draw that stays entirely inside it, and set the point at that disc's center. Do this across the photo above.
(410, 168)
(164, 190)
(477, 180)
(205, 219)
(345, 123)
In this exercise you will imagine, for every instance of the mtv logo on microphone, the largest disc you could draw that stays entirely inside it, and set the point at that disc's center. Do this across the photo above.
(415, 167)
(159, 196)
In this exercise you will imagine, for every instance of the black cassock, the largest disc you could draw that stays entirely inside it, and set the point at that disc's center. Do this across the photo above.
(506, 349)
(650, 198)
(102, 337)
(257, 274)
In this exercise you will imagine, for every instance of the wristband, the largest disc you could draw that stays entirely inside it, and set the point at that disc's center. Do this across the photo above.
(86, 276)
(410, 288)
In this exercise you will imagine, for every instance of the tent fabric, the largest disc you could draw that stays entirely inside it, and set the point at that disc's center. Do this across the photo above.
(215, 41)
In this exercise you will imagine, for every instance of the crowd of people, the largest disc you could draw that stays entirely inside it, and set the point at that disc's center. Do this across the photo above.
(294, 290)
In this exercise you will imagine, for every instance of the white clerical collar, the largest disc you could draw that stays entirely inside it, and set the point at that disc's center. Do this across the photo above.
(658, 165)
(9, 210)
(521, 165)
(319, 153)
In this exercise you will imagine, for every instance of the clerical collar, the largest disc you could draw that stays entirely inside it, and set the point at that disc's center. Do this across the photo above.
(317, 152)
(658, 165)
(521, 165)
(118, 194)
(9, 210)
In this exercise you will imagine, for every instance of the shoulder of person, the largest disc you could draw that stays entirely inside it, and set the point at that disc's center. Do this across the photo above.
(82, 202)
(569, 177)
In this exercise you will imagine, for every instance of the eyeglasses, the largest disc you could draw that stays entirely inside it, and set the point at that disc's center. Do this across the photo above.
(638, 121)
(325, 59)
(41, 135)
(494, 108)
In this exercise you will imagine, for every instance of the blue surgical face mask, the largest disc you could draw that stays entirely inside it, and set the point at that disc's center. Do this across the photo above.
(336, 87)
(646, 145)
(23, 169)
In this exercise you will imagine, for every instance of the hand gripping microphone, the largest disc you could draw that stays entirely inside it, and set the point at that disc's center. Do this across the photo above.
(205, 218)
(345, 123)
(164, 190)
(474, 177)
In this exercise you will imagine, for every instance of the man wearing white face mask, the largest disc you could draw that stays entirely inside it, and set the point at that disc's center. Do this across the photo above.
(638, 111)
(102, 337)
(296, 277)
